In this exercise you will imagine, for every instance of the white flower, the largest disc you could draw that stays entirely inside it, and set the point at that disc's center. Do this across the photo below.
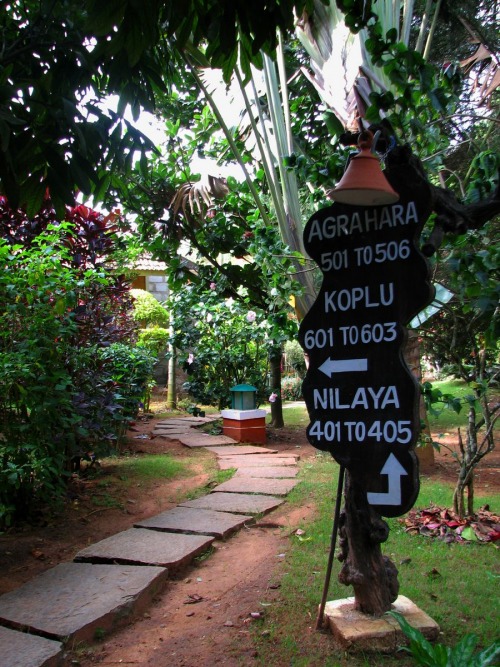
(209, 317)
(190, 358)
(273, 397)
(251, 315)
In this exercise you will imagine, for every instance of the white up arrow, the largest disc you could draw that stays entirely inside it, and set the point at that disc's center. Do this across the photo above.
(394, 470)
(331, 366)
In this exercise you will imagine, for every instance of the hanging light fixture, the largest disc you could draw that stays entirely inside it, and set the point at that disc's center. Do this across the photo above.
(364, 183)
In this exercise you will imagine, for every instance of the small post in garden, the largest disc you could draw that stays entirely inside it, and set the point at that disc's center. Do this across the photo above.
(362, 399)
(244, 422)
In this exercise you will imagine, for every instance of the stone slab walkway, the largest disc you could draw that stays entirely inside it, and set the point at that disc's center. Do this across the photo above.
(261, 461)
(22, 650)
(195, 421)
(138, 546)
(239, 503)
(171, 431)
(240, 450)
(187, 520)
(261, 485)
(116, 578)
(72, 600)
(203, 440)
(274, 472)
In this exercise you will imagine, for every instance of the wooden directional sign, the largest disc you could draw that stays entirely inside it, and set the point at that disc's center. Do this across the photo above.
(362, 400)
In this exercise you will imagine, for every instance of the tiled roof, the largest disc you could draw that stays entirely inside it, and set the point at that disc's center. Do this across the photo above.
(145, 263)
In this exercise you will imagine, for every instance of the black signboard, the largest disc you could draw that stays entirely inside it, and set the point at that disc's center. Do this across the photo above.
(363, 401)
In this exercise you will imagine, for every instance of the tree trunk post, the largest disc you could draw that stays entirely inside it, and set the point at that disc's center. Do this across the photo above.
(171, 397)
(425, 450)
(372, 575)
(277, 420)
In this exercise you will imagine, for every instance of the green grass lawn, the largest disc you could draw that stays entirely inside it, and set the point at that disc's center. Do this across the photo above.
(456, 584)
(447, 419)
(296, 416)
(153, 466)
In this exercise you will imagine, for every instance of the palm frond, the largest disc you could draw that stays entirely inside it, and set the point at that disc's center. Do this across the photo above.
(199, 196)
(487, 66)
(334, 58)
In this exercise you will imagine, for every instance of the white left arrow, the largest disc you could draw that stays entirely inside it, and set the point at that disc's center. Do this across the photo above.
(394, 470)
(331, 366)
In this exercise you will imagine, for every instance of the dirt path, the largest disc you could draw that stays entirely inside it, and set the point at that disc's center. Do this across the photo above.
(203, 619)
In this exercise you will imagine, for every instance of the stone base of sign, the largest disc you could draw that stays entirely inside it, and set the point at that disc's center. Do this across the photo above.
(245, 425)
(355, 631)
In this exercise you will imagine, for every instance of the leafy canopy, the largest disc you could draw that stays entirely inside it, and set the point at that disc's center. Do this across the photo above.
(59, 59)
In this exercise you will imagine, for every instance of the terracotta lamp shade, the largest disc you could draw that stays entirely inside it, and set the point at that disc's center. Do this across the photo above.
(364, 183)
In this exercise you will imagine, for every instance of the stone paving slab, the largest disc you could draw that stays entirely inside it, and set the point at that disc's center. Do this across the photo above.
(275, 472)
(239, 503)
(171, 433)
(278, 487)
(188, 520)
(72, 600)
(173, 427)
(19, 649)
(147, 547)
(226, 462)
(240, 450)
(192, 421)
(203, 440)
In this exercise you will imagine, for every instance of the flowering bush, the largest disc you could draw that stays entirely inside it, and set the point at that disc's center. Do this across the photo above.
(291, 388)
(224, 344)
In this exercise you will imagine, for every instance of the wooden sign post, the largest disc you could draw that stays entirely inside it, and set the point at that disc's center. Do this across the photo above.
(362, 400)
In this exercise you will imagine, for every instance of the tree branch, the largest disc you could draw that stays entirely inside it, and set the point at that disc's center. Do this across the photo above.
(452, 216)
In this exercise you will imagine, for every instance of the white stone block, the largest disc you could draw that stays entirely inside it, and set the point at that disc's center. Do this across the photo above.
(242, 415)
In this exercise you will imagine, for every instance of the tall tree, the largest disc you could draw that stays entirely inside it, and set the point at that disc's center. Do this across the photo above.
(210, 234)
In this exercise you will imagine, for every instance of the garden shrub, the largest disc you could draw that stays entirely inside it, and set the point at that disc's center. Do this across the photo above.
(291, 388)
(147, 310)
(154, 339)
(153, 316)
(38, 420)
(294, 357)
(224, 343)
(131, 373)
(58, 398)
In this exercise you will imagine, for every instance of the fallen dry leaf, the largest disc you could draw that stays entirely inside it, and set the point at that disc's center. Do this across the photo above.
(441, 523)
(193, 599)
